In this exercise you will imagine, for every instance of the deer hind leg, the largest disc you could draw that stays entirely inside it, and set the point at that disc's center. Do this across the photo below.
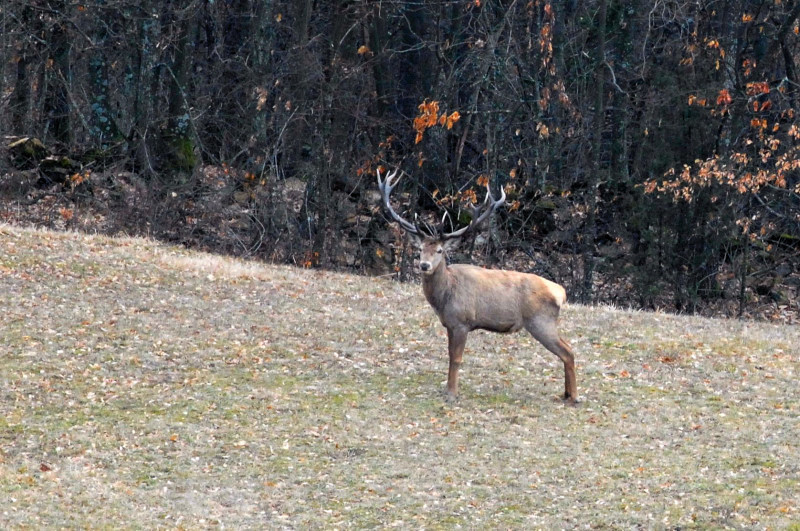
(456, 339)
(545, 332)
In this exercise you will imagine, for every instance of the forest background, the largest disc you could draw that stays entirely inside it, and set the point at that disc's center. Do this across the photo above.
(649, 148)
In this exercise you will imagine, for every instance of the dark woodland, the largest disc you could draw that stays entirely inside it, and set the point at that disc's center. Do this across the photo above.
(649, 149)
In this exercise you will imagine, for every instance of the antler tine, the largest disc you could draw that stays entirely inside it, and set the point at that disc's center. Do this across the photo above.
(480, 213)
(428, 228)
(385, 187)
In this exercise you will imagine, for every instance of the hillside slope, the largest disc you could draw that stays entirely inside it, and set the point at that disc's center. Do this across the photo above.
(143, 385)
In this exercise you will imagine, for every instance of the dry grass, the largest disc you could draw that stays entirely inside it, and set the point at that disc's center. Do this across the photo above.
(146, 386)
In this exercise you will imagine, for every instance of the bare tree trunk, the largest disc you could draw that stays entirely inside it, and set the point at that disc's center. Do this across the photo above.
(178, 155)
(21, 96)
(143, 69)
(590, 231)
(56, 104)
(380, 69)
(339, 113)
(299, 85)
(105, 126)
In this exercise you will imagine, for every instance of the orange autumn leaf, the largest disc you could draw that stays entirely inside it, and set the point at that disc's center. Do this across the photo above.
(428, 117)
(543, 130)
(724, 97)
(757, 87)
(469, 196)
(453, 118)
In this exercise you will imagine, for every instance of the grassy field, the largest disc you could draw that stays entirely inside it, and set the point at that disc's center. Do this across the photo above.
(146, 386)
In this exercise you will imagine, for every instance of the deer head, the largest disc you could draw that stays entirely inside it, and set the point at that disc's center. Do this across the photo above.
(434, 244)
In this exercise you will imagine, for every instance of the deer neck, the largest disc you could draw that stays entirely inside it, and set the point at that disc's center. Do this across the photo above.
(438, 286)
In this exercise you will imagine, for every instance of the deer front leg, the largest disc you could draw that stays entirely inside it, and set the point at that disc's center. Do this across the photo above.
(456, 339)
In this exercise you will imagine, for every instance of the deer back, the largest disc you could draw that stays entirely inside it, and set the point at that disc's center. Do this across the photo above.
(472, 297)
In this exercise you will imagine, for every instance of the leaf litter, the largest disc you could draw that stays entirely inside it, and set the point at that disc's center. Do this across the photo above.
(149, 386)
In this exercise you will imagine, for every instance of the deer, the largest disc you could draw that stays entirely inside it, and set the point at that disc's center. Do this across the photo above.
(467, 297)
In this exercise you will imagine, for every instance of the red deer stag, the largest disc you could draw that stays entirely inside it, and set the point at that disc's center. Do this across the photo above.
(466, 297)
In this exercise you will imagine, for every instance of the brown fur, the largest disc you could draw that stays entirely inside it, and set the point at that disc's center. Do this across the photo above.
(467, 297)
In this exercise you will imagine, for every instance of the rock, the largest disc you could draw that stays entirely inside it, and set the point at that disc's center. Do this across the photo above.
(373, 197)
(57, 170)
(241, 197)
(25, 153)
(784, 269)
(780, 296)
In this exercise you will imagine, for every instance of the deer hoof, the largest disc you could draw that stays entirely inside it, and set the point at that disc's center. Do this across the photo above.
(570, 401)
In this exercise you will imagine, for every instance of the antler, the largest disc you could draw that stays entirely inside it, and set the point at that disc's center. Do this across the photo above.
(386, 186)
(479, 213)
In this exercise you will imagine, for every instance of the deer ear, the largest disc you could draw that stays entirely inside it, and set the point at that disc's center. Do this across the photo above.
(451, 244)
(415, 240)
